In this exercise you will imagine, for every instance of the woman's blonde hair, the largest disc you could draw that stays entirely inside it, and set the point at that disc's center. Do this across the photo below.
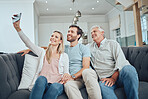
(60, 48)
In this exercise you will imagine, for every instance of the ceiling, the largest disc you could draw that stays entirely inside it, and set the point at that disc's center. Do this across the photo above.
(62, 7)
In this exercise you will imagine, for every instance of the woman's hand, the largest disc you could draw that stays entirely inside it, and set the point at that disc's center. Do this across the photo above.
(17, 25)
(24, 52)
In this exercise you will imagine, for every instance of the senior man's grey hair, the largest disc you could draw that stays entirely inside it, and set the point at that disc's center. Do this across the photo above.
(99, 28)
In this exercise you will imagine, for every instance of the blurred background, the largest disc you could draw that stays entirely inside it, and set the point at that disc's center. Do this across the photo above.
(123, 20)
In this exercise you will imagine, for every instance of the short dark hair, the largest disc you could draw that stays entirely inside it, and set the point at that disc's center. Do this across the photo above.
(79, 30)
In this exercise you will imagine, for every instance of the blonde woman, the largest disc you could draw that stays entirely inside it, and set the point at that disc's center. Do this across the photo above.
(53, 69)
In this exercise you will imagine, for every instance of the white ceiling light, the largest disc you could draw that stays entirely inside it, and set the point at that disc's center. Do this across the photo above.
(93, 8)
(70, 9)
(46, 1)
(97, 1)
(47, 9)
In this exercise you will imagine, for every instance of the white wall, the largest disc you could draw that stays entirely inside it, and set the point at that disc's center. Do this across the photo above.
(127, 22)
(46, 29)
(47, 24)
(9, 39)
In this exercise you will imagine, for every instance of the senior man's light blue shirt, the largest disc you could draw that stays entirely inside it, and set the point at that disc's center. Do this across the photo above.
(76, 55)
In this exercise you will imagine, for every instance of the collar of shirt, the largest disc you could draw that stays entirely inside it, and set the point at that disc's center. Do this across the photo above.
(103, 41)
(101, 44)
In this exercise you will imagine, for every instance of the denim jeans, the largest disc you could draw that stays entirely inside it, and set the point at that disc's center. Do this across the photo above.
(44, 90)
(128, 78)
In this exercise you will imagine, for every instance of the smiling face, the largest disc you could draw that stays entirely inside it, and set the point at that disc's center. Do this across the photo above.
(96, 34)
(55, 39)
(72, 34)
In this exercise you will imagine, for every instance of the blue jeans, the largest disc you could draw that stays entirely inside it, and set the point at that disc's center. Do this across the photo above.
(44, 90)
(128, 78)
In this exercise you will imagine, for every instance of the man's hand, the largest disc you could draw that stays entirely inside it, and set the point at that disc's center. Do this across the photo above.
(109, 81)
(24, 52)
(69, 79)
(66, 76)
(66, 79)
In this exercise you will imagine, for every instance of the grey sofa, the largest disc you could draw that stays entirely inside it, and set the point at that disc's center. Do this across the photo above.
(11, 69)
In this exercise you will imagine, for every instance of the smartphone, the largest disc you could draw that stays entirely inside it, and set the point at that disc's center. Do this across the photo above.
(16, 17)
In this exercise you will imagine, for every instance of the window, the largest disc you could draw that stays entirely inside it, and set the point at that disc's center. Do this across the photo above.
(144, 29)
(118, 36)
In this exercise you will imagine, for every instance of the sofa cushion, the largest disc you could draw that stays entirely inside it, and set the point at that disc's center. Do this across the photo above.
(143, 91)
(120, 93)
(20, 94)
(24, 94)
(63, 96)
(83, 93)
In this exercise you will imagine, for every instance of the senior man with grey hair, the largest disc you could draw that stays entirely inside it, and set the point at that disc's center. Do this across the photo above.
(111, 66)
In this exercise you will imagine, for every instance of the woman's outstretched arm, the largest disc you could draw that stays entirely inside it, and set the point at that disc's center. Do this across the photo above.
(35, 49)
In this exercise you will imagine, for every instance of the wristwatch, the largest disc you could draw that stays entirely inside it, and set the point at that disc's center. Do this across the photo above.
(73, 76)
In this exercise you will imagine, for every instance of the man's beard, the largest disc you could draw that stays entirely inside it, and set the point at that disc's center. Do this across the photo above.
(72, 39)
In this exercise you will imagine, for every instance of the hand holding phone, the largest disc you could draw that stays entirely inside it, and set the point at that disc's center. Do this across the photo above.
(16, 17)
(16, 22)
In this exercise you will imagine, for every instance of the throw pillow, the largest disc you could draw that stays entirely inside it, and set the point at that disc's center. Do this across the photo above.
(29, 70)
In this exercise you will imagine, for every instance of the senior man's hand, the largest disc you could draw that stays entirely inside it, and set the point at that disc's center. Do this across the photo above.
(109, 81)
